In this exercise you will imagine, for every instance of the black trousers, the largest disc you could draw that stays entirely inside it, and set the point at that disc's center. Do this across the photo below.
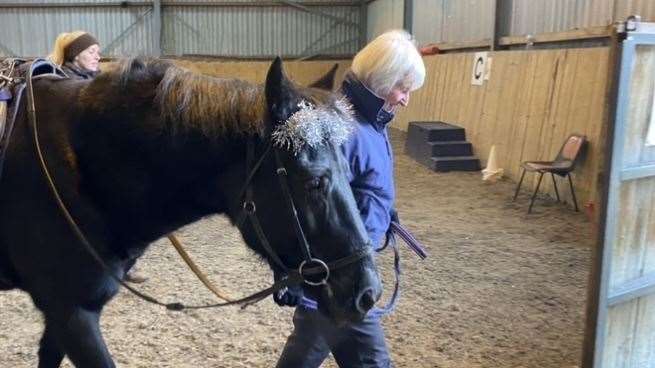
(353, 346)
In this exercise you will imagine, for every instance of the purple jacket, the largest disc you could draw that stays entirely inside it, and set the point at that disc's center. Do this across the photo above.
(370, 158)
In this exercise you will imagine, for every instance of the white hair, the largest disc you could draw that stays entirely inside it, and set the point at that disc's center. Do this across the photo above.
(391, 59)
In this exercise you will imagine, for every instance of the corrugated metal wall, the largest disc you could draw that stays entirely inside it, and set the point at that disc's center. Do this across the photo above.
(32, 31)
(254, 30)
(530, 17)
(452, 20)
(383, 15)
(259, 31)
(248, 30)
(471, 20)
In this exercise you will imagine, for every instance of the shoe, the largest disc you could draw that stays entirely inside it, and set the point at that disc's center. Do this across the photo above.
(134, 277)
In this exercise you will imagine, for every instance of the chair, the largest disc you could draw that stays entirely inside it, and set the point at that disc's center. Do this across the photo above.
(563, 165)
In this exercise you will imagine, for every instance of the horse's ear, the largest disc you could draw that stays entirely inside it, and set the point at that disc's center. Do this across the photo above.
(326, 82)
(281, 95)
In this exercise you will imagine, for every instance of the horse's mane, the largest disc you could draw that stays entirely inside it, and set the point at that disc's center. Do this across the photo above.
(184, 99)
(213, 105)
(187, 100)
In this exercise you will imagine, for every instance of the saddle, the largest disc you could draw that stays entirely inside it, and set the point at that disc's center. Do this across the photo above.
(13, 74)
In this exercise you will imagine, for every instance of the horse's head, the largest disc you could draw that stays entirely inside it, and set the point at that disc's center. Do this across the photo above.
(305, 127)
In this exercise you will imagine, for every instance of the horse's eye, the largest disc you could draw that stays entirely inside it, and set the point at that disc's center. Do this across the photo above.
(314, 184)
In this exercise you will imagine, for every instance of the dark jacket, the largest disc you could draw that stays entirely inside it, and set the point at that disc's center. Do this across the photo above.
(370, 158)
(75, 72)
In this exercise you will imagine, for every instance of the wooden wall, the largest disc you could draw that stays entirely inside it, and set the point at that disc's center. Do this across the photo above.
(531, 103)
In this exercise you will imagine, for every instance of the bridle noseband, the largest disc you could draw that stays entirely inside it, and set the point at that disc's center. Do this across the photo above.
(309, 266)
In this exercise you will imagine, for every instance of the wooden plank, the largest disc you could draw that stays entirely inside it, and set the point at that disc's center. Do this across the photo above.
(619, 343)
(574, 115)
(640, 109)
(571, 35)
(634, 243)
(630, 333)
(470, 108)
(508, 113)
(522, 113)
(647, 236)
(477, 109)
(555, 126)
(544, 89)
(643, 353)
(576, 119)
(452, 93)
(597, 124)
(490, 128)
(452, 46)
(642, 286)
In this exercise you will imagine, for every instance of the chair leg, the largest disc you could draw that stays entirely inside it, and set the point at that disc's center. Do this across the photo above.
(575, 201)
(516, 193)
(555, 186)
(534, 195)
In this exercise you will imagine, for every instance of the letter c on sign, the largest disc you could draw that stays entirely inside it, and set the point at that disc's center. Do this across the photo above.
(479, 68)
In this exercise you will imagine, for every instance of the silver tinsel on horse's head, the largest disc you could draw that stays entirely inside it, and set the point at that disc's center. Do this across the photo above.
(314, 126)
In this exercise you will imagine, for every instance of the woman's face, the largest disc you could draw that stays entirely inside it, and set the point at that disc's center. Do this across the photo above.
(89, 58)
(399, 96)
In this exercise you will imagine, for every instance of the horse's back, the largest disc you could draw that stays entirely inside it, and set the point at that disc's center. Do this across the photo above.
(32, 229)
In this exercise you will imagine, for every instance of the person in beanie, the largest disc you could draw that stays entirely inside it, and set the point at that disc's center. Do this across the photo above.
(78, 54)
(381, 78)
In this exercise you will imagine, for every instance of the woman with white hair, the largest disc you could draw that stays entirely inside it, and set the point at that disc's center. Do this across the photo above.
(78, 54)
(382, 76)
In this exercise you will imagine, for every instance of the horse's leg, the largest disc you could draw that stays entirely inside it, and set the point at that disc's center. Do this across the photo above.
(50, 354)
(78, 332)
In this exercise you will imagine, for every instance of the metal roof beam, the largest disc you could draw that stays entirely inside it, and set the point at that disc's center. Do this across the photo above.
(302, 7)
(124, 4)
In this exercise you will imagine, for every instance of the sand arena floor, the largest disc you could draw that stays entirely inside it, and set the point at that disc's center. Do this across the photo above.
(499, 289)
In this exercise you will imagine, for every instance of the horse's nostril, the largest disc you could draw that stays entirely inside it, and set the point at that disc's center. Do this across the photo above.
(365, 300)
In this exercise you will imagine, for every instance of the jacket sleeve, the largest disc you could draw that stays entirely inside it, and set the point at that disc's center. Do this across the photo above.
(362, 179)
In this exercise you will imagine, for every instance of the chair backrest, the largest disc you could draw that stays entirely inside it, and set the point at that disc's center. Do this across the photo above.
(571, 149)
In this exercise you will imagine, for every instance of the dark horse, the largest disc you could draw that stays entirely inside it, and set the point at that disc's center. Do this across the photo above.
(150, 147)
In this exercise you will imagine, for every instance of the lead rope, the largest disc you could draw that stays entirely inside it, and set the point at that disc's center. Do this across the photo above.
(196, 270)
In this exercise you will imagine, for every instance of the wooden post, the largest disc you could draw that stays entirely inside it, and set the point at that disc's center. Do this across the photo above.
(599, 216)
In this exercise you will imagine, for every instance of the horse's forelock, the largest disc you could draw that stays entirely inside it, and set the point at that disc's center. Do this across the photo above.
(313, 124)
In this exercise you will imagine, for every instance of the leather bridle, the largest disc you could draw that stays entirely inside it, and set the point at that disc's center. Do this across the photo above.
(309, 266)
